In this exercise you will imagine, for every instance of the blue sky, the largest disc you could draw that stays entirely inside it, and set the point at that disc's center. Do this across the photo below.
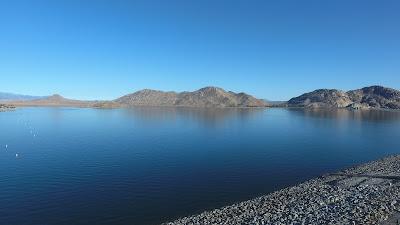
(272, 49)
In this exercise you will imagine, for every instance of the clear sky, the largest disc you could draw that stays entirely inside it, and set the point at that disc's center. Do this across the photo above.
(272, 49)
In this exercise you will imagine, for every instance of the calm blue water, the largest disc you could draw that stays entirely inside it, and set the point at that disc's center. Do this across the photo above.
(151, 165)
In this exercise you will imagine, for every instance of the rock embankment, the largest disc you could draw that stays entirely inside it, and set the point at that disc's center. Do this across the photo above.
(5, 107)
(366, 194)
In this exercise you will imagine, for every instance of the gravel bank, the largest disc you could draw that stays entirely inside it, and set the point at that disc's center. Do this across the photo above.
(366, 194)
(4, 107)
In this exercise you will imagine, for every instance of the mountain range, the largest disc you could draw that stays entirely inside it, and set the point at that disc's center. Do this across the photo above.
(204, 97)
(369, 97)
(16, 97)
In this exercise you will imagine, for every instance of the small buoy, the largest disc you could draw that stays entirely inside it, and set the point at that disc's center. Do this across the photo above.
(6, 146)
(16, 155)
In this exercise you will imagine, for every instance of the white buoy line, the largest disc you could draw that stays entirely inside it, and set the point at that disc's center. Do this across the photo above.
(31, 132)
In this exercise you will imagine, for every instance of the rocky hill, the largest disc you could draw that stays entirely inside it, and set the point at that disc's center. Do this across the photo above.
(205, 97)
(368, 97)
(149, 97)
(322, 98)
(376, 97)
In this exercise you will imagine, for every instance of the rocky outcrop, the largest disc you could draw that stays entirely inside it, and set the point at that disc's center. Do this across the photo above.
(6, 107)
(368, 97)
(205, 97)
(105, 104)
(357, 106)
(322, 98)
(148, 97)
(376, 97)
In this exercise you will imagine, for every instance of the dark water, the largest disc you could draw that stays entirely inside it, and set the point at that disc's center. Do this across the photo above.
(149, 165)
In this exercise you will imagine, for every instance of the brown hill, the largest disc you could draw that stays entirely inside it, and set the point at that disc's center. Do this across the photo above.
(204, 97)
(54, 100)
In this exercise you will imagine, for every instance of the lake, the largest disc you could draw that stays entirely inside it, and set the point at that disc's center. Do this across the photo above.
(152, 165)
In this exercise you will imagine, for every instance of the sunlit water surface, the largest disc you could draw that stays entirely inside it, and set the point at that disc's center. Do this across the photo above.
(151, 165)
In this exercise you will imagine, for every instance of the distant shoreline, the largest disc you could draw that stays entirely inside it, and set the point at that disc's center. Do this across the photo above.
(373, 97)
(134, 106)
(13, 106)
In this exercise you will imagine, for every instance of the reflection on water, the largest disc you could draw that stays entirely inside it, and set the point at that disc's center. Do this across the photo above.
(345, 114)
(205, 116)
(148, 165)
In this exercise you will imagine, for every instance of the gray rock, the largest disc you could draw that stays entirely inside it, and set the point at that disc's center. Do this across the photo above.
(6, 107)
(368, 97)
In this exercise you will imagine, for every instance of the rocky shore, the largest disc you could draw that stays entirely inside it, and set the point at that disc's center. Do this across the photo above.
(4, 107)
(365, 194)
